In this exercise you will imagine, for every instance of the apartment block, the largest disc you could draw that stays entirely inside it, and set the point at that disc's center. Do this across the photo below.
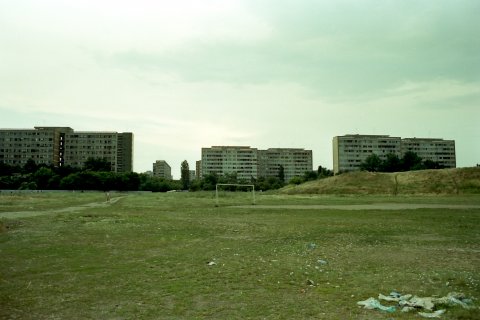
(349, 151)
(294, 161)
(251, 163)
(198, 169)
(62, 146)
(228, 159)
(161, 169)
(437, 150)
(192, 175)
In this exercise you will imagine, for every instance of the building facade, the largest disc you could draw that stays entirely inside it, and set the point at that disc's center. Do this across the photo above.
(250, 163)
(437, 150)
(221, 160)
(62, 146)
(349, 151)
(295, 162)
(161, 169)
(198, 169)
(192, 175)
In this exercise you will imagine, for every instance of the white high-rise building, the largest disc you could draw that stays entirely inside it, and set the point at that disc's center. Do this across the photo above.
(295, 162)
(349, 151)
(62, 146)
(220, 160)
(161, 169)
(437, 150)
(250, 163)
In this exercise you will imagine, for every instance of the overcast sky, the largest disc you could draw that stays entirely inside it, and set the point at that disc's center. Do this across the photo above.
(187, 74)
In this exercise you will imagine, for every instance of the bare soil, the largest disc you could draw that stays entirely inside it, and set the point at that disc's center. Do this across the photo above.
(26, 214)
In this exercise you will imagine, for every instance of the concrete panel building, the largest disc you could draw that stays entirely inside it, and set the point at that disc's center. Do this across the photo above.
(229, 159)
(161, 169)
(251, 163)
(192, 175)
(294, 161)
(437, 150)
(198, 169)
(349, 151)
(62, 146)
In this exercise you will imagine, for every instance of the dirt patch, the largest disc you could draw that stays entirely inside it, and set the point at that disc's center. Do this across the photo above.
(26, 214)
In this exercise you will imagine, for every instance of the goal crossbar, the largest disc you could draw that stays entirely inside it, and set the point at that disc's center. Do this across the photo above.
(233, 184)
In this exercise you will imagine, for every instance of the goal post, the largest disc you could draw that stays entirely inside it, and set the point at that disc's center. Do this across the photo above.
(236, 185)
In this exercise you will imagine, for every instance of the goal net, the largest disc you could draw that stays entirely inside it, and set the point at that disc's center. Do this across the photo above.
(235, 187)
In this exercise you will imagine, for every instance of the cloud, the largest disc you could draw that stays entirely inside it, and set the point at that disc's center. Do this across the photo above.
(338, 50)
(186, 74)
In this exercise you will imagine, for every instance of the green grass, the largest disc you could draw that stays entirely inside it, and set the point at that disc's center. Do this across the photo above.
(458, 181)
(145, 257)
(32, 201)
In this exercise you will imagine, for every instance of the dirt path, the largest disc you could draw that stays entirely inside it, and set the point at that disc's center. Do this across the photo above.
(26, 214)
(376, 206)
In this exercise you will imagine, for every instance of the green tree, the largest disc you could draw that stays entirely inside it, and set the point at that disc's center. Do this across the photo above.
(281, 173)
(323, 172)
(268, 183)
(42, 177)
(209, 181)
(30, 166)
(185, 175)
(310, 175)
(296, 180)
(372, 163)
(411, 161)
(133, 181)
(429, 164)
(229, 177)
(97, 164)
(391, 163)
(155, 184)
(7, 170)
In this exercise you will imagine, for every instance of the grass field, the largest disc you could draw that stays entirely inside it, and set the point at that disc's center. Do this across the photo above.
(458, 181)
(177, 256)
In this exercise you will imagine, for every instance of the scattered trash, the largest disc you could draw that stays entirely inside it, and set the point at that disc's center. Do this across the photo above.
(320, 261)
(435, 314)
(310, 283)
(372, 303)
(417, 302)
(425, 305)
(394, 296)
(211, 263)
(407, 309)
(454, 299)
(311, 246)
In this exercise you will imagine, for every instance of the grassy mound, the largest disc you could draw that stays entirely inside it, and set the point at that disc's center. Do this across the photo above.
(445, 181)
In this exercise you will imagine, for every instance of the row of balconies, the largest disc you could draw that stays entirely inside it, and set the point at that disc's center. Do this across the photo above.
(25, 139)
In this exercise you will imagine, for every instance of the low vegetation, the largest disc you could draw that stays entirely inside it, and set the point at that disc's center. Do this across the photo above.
(441, 181)
(177, 256)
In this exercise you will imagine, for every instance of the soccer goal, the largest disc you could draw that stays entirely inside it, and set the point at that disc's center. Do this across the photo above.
(236, 185)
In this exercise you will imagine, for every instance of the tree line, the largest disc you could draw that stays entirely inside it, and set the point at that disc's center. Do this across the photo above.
(96, 174)
(209, 181)
(393, 163)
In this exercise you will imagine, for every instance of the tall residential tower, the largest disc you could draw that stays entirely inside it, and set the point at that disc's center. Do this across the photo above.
(62, 146)
(250, 163)
(349, 151)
